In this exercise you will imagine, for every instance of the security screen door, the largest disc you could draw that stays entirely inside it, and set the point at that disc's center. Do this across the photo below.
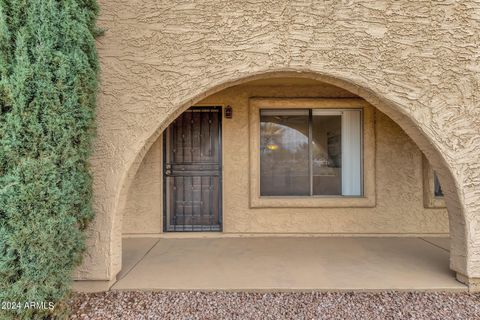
(193, 171)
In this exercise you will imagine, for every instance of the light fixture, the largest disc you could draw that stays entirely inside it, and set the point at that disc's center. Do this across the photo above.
(228, 112)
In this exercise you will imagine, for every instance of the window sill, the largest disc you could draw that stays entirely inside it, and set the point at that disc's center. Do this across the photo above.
(313, 202)
(435, 203)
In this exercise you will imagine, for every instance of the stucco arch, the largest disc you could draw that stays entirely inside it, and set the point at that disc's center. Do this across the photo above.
(403, 115)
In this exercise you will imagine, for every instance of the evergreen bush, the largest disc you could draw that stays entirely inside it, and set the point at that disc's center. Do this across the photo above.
(48, 83)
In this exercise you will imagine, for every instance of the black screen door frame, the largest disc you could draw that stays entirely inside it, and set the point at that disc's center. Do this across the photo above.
(174, 228)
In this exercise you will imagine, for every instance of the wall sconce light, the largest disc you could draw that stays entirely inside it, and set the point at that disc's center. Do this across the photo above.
(228, 112)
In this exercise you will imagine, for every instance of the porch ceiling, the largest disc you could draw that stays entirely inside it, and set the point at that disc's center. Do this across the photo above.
(287, 263)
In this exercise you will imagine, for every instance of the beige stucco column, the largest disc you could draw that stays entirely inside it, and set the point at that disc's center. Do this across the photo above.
(407, 58)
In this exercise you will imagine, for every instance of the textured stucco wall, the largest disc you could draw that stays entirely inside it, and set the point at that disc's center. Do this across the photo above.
(399, 207)
(417, 61)
(143, 212)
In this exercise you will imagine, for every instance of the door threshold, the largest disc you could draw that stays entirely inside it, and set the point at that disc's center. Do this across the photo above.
(193, 229)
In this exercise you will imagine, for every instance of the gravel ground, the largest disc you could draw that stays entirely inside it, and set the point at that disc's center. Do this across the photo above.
(317, 305)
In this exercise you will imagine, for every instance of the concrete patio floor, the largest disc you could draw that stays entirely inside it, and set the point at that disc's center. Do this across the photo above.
(286, 264)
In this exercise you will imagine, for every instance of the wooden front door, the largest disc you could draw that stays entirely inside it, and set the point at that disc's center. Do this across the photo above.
(193, 171)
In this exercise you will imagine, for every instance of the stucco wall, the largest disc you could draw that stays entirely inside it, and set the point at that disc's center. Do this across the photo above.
(143, 213)
(416, 61)
(399, 209)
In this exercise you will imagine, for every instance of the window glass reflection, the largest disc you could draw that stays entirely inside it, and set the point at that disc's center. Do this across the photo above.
(436, 185)
(284, 164)
(327, 154)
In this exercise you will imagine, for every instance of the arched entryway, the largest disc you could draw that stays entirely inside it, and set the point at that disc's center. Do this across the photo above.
(422, 137)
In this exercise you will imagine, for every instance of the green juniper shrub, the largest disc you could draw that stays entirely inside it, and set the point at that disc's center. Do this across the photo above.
(48, 82)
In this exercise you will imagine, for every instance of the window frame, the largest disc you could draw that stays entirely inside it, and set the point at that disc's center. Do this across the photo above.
(429, 199)
(368, 199)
